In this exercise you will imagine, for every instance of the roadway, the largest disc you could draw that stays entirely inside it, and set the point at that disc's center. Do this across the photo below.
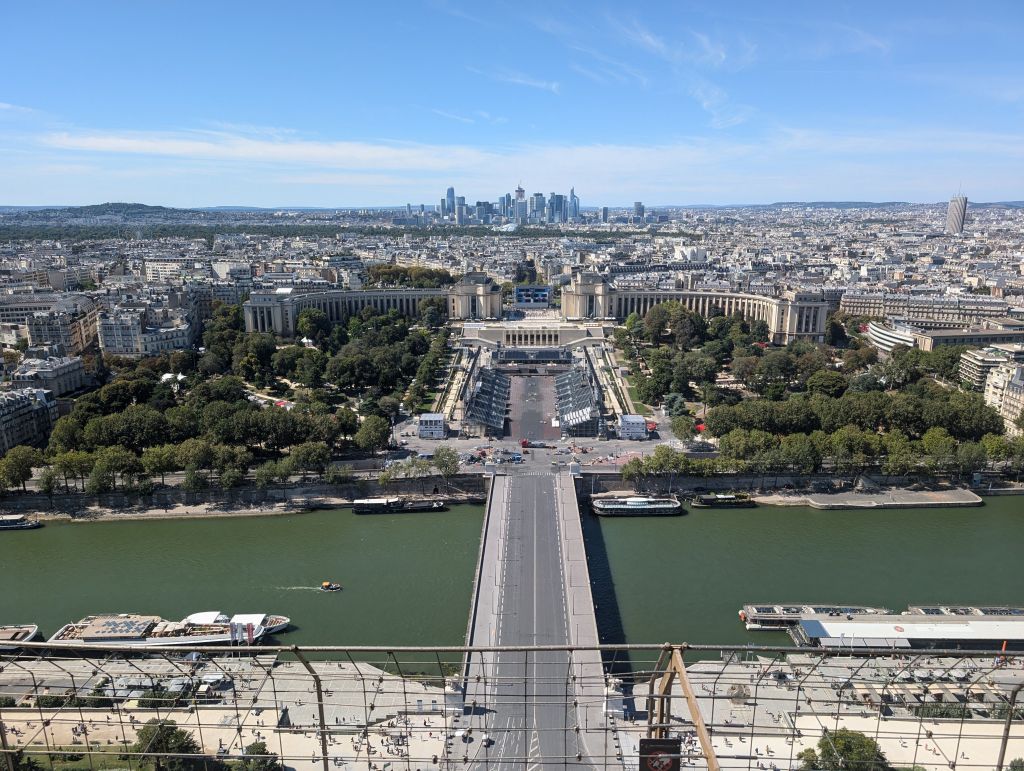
(523, 701)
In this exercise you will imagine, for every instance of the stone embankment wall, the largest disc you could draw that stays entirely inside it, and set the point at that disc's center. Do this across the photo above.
(299, 495)
(602, 482)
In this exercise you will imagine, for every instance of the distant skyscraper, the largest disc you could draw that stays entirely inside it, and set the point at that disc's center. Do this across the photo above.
(537, 205)
(956, 214)
(638, 211)
(520, 193)
(604, 214)
(450, 200)
(574, 204)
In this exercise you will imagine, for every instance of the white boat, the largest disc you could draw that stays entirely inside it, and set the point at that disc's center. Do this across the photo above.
(11, 635)
(272, 624)
(771, 617)
(208, 628)
(635, 506)
(18, 522)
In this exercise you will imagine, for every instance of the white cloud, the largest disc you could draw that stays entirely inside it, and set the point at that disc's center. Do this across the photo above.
(518, 79)
(789, 163)
(712, 52)
(833, 39)
(453, 116)
(637, 33)
(713, 100)
(228, 147)
(8, 107)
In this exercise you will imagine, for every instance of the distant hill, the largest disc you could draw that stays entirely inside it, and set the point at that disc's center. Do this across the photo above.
(117, 209)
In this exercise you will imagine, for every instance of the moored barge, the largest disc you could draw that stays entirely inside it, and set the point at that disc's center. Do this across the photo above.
(635, 506)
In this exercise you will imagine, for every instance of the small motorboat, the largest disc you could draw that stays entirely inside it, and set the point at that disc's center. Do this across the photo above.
(330, 586)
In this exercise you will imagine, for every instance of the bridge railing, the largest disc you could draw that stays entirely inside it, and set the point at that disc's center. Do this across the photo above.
(393, 708)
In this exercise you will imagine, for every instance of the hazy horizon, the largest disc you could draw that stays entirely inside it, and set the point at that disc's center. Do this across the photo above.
(332, 106)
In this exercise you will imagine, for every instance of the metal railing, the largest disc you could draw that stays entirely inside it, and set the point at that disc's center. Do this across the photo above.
(389, 709)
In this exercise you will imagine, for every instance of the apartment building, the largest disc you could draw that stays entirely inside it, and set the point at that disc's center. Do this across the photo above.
(137, 332)
(26, 417)
(1004, 390)
(58, 374)
(975, 365)
(953, 309)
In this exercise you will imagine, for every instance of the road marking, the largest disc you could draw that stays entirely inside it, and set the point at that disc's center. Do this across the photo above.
(536, 760)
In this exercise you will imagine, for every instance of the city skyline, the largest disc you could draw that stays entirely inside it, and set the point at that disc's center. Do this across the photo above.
(675, 106)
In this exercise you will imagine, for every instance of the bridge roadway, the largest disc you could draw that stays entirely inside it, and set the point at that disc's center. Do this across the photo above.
(533, 588)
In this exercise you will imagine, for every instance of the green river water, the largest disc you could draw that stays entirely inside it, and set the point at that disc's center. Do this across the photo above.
(408, 577)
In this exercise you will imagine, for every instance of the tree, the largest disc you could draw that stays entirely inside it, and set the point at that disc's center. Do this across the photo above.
(633, 471)
(845, 749)
(164, 740)
(258, 758)
(314, 324)
(939, 448)
(16, 467)
(633, 323)
(374, 433)
(66, 435)
(799, 452)
(970, 457)
(195, 480)
(997, 448)
(701, 367)
(26, 763)
(265, 474)
(656, 322)
(348, 422)
(1017, 764)
(160, 460)
(231, 477)
(682, 426)
(109, 462)
(827, 382)
(900, 457)
(446, 461)
(74, 464)
(49, 478)
(311, 456)
(194, 454)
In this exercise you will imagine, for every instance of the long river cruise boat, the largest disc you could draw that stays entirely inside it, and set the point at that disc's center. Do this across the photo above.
(635, 506)
(207, 628)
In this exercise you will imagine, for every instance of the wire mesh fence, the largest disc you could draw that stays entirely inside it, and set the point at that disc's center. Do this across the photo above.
(384, 709)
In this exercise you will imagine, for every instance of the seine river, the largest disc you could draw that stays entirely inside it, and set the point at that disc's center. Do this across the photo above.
(408, 578)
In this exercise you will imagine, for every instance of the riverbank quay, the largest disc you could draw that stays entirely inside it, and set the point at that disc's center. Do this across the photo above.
(876, 499)
(176, 503)
(817, 491)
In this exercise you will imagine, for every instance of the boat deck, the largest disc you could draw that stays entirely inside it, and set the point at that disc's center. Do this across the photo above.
(781, 616)
(964, 610)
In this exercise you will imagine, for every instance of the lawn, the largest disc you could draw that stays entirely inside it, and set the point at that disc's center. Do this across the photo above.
(639, 405)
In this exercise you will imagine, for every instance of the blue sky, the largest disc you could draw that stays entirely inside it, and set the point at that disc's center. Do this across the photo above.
(345, 103)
